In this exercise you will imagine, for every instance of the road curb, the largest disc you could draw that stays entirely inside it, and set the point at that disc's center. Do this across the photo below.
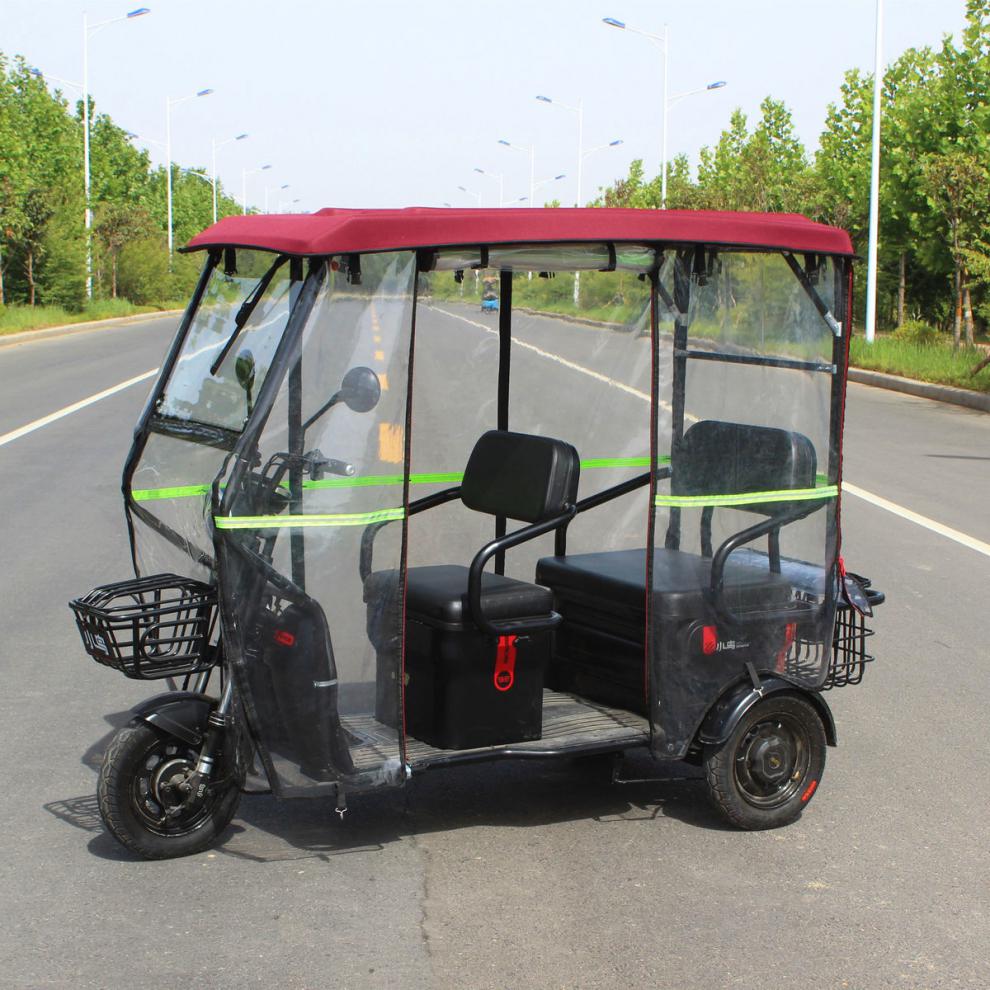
(925, 390)
(8, 340)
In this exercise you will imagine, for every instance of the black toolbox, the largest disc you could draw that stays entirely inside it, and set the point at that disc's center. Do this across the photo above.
(599, 649)
(463, 688)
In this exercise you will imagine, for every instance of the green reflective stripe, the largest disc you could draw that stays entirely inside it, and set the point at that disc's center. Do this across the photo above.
(748, 498)
(180, 491)
(615, 462)
(376, 480)
(293, 522)
(383, 480)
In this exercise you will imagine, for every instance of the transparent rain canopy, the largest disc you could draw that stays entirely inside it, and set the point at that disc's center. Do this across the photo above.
(200, 413)
(326, 467)
(746, 502)
(579, 372)
(696, 385)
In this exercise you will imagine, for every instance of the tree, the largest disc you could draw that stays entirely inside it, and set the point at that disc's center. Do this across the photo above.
(116, 224)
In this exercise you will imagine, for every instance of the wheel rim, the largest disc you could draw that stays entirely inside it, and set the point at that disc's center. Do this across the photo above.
(156, 794)
(772, 761)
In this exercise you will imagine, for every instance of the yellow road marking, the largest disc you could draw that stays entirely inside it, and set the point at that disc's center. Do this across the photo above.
(391, 445)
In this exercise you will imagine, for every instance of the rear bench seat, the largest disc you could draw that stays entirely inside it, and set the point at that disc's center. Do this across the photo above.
(599, 648)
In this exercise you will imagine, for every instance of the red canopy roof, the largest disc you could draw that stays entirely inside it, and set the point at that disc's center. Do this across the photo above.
(334, 231)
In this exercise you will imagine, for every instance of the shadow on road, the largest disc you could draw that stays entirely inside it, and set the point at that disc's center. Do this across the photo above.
(509, 794)
(498, 795)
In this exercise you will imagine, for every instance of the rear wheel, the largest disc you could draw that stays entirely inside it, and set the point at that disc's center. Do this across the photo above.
(142, 801)
(769, 768)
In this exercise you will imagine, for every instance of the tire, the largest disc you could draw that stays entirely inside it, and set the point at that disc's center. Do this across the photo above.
(132, 794)
(770, 767)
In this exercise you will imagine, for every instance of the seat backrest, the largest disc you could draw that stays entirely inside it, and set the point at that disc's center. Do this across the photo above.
(716, 458)
(520, 476)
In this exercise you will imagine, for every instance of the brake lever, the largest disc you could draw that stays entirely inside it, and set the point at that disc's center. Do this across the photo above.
(318, 465)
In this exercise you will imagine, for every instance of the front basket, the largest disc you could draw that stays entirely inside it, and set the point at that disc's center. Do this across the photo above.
(151, 627)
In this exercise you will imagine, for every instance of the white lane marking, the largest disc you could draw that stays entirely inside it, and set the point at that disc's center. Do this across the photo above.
(936, 527)
(898, 510)
(552, 357)
(75, 407)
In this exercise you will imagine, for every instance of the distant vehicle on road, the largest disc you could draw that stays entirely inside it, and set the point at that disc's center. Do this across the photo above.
(489, 294)
(698, 610)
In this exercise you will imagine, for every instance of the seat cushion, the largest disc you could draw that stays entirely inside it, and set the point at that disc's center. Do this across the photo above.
(439, 593)
(521, 476)
(680, 581)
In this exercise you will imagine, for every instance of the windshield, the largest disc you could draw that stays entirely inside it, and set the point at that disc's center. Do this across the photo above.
(222, 365)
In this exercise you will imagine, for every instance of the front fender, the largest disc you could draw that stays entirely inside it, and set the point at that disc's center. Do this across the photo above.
(726, 713)
(182, 714)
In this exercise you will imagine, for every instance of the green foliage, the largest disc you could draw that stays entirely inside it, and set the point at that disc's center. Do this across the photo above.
(916, 332)
(144, 276)
(937, 362)
(17, 318)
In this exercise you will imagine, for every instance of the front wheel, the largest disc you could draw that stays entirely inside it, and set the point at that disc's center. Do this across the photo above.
(765, 773)
(141, 798)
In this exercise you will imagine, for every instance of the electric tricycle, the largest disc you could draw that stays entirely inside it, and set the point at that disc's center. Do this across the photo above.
(374, 536)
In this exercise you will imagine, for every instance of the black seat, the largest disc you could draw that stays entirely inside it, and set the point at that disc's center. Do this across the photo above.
(680, 581)
(513, 475)
(439, 593)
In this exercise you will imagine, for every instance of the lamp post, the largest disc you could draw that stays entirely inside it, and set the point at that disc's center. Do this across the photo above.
(579, 110)
(582, 154)
(268, 189)
(245, 172)
(871, 263)
(498, 177)
(531, 151)
(169, 103)
(540, 183)
(220, 144)
(662, 41)
(471, 192)
(88, 31)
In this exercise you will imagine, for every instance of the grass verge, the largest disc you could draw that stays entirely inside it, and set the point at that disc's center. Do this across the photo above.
(17, 319)
(937, 362)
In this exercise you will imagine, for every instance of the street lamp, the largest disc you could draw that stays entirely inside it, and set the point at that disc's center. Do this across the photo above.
(580, 116)
(471, 192)
(540, 183)
(88, 31)
(169, 103)
(269, 189)
(531, 151)
(662, 41)
(245, 172)
(498, 177)
(220, 144)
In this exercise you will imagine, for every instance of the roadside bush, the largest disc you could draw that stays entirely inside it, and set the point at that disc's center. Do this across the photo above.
(143, 275)
(916, 332)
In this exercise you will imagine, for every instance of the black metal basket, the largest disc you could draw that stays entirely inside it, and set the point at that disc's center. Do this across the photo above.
(151, 627)
(849, 656)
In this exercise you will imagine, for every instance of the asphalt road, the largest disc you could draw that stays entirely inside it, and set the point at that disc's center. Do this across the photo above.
(506, 875)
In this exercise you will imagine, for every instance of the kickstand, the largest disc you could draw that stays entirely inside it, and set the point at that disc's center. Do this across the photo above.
(341, 807)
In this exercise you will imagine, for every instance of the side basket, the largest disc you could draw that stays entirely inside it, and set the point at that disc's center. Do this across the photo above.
(849, 656)
(151, 627)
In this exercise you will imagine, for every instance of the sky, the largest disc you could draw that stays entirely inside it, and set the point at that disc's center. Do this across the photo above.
(381, 103)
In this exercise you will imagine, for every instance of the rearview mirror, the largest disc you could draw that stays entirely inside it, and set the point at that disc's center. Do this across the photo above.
(244, 370)
(360, 390)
